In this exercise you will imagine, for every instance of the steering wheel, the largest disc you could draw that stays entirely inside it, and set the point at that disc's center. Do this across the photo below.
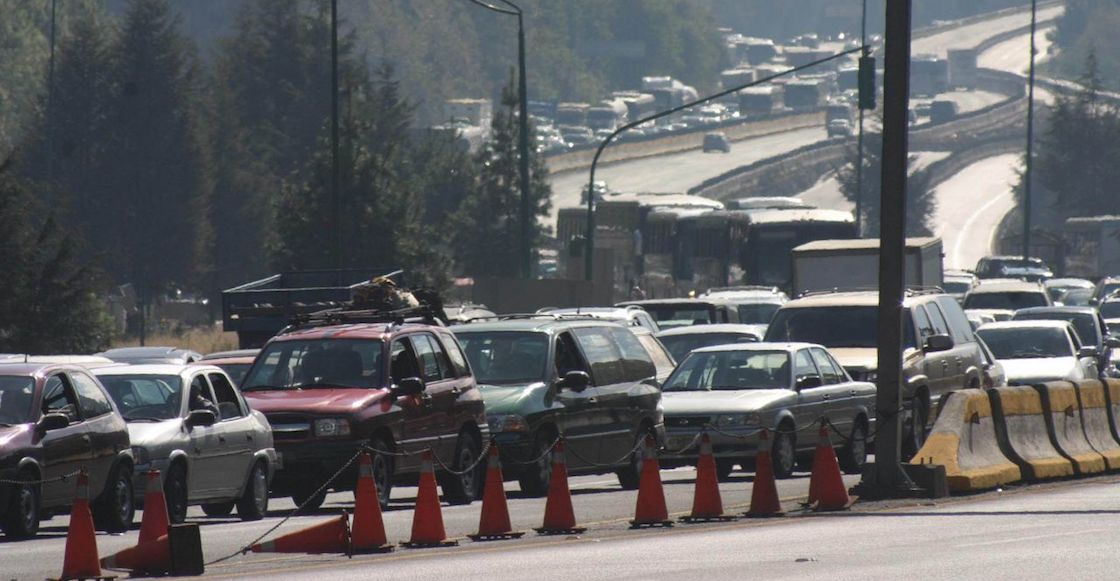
(158, 409)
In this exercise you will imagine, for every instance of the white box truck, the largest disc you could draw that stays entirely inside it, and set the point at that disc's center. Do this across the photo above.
(854, 264)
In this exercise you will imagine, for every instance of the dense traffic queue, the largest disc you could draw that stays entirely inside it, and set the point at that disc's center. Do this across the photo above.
(230, 430)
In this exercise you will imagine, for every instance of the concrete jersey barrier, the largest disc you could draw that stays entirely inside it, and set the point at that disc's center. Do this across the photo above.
(1023, 435)
(1063, 419)
(964, 441)
(1095, 417)
(1112, 394)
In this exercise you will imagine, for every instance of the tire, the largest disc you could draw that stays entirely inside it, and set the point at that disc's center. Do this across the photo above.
(218, 509)
(464, 488)
(917, 434)
(114, 510)
(536, 478)
(21, 518)
(304, 495)
(253, 504)
(723, 469)
(783, 453)
(854, 453)
(630, 476)
(175, 493)
(382, 471)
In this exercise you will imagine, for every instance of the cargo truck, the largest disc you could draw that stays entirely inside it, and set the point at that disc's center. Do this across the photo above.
(826, 265)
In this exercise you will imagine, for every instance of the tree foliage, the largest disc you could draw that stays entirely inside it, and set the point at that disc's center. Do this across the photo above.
(1088, 27)
(920, 204)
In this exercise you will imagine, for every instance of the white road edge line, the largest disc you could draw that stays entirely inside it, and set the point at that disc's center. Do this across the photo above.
(967, 227)
(1031, 538)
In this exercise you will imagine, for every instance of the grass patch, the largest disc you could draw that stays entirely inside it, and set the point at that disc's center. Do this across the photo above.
(202, 339)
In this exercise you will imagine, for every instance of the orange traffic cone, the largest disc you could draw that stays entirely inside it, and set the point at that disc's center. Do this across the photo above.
(764, 493)
(427, 520)
(559, 518)
(80, 560)
(155, 522)
(493, 523)
(149, 557)
(368, 533)
(707, 505)
(826, 484)
(332, 536)
(650, 510)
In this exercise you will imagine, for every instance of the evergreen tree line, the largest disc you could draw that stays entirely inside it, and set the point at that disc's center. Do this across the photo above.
(160, 171)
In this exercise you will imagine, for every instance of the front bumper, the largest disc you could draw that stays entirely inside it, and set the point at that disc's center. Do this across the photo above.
(730, 443)
(309, 462)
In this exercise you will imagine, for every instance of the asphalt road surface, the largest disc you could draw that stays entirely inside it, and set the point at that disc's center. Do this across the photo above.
(972, 35)
(599, 502)
(1062, 532)
(970, 206)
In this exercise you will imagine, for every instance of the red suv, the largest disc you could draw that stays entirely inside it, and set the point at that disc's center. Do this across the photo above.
(328, 388)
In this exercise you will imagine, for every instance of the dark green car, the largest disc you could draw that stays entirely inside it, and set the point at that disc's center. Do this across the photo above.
(588, 380)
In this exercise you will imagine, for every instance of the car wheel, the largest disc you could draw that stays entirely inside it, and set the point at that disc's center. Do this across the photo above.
(723, 469)
(382, 471)
(253, 504)
(115, 508)
(917, 436)
(218, 509)
(854, 454)
(783, 453)
(21, 519)
(464, 488)
(307, 495)
(175, 493)
(537, 477)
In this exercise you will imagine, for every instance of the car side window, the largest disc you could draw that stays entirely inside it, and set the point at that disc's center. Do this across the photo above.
(205, 396)
(938, 320)
(958, 321)
(91, 399)
(803, 365)
(921, 320)
(567, 356)
(603, 355)
(829, 374)
(636, 361)
(229, 405)
(402, 361)
(58, 398)
(660, 356)
(455, 356)
(1073, 338)
(430, 368)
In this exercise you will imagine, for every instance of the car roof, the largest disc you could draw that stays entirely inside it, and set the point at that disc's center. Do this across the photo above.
(1006, 286)
(1032, 324)
(677, 301)
(756, 347)
(752, 295)
(343, 331)
(141, 352)
(228, 361)
(30, 369)
(153, 369)
(1069, 282)
(1058, 310)
(541, 324)
(706, 329)
(230, 354)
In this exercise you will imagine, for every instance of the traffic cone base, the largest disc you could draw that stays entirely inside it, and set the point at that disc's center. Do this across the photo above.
(367, 535)
(332, 536)
(429, 544)
(554, 531)
(150, 557)
(494, 523)
(427, 519)
(650, 510)
(559, 518)
(764, 492)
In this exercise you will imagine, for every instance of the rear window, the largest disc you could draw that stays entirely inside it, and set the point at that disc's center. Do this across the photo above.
(507, 357)
(681, 345)
(1083, 323)
(833, 327)
(672, 316)
(757, 313)
(1012, 301)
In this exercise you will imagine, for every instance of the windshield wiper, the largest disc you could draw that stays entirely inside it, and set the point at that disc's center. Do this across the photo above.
(263, 388)
(143, 419)
(324, 385)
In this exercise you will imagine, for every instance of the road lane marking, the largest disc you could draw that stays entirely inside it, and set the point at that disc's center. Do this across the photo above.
(967, 227)
(1030, 538)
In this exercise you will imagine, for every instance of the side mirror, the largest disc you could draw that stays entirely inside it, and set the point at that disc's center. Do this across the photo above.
(52, 421)
(408, 386)
(1087, 352)
(201, 418)
(575, 381)
(1112, 343)
(935, 343)
(809, 382)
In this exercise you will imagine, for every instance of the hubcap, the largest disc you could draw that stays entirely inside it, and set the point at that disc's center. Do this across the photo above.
(859, 446)
(124, 499)
(785, 453)
(544, 465)
(260, 489)
(381, 477)
(465, 459)
(28, 508)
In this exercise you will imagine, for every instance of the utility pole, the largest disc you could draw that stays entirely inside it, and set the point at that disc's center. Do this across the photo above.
(859, 140)
(50, 98)
(892, 240)
(1030, 142)
(336, 205)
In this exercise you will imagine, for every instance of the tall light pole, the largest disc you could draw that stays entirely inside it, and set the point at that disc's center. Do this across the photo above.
(525, 251)
(1030, 142)
(336, 203)
(859, 140)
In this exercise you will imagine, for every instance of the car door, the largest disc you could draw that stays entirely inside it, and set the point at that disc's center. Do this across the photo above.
(65, 450)
(580, 420)
(441, 386)
(1088, 365)
(836, 394)
(204, 448)
(416, 430)
(934, 365)
(810, 400)
(236, 433)
(104, 428)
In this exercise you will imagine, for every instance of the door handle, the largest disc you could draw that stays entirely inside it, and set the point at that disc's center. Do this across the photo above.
(249, 437)
(592, 400)
(426, 399)
(222, 439)
(456, 391)
(826, 396)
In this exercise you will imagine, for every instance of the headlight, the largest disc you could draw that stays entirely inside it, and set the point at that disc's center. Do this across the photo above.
(332, 427)
(507, 423)
(140, 455)
(736, 420)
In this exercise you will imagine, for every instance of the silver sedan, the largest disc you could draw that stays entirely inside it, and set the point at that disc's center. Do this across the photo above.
(734, 391)
(191, 423)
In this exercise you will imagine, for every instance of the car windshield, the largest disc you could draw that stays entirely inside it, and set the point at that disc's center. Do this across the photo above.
(16, 396)
(1110, 310)
(1077, 297)
(672, 316)
(1026, 343)
(506, 357)
(681, 345)
(319, 363)
(757, 313)
(956, 287)
(731, 370)
(834, 327)
(1083, 323)
(143, 397)
(1005, 300)
(235, 371)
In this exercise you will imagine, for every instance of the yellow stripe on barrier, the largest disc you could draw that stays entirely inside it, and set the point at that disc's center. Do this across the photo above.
(1092, 395)
(1020, 401)
(1063, 396)
(978, 405)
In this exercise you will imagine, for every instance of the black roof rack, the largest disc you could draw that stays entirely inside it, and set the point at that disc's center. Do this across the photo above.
(748, 287)
(910, 291)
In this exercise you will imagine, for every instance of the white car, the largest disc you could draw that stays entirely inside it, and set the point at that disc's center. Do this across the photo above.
(1039, 351)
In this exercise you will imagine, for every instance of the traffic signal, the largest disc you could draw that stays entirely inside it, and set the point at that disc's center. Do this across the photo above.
(867, 83)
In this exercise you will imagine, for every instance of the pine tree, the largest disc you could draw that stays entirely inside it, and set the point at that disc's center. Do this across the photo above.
(487, 231)
(920, 204)
(160, 190)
